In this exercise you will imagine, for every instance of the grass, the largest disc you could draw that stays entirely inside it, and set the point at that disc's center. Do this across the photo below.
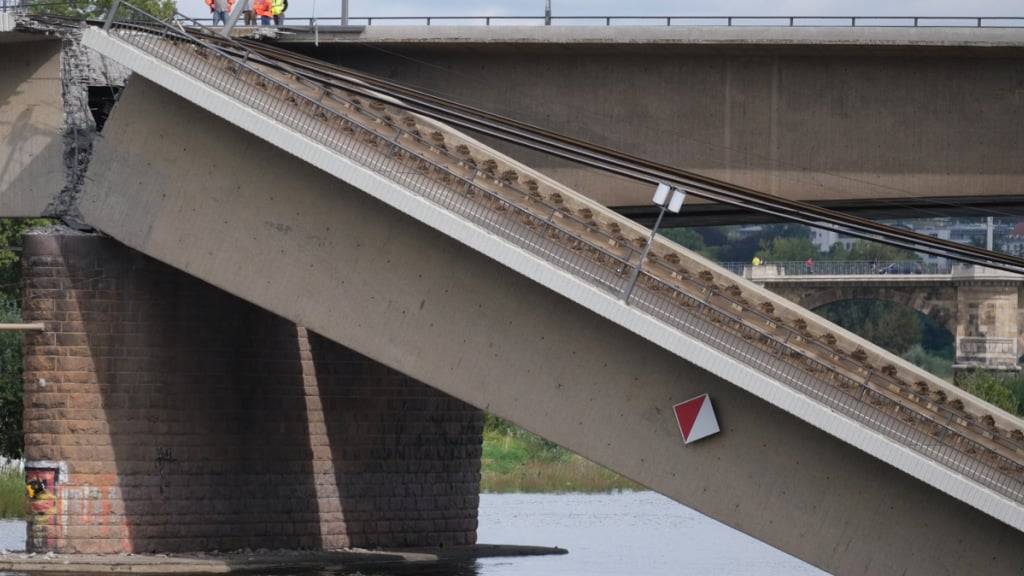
(12, 493)
(515, 460)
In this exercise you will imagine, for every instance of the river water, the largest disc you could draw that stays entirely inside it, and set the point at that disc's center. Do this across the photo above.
(628, 534)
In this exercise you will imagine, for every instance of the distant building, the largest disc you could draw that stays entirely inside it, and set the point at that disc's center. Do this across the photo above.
(825, 239)
(1013, 243)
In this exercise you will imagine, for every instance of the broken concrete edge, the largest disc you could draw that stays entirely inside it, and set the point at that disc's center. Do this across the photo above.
(243, 562)
(80, 68)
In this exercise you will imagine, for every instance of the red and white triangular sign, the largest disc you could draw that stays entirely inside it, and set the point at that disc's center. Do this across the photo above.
(696, 418)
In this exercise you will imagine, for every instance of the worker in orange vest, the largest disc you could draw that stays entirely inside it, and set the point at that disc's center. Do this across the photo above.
(220, 10)
(264, 9)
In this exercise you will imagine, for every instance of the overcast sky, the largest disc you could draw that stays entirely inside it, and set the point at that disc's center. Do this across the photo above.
(647, 7)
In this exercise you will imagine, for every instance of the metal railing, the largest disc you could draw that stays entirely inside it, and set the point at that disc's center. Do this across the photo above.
(769, 269)
(716, 316)
(716, 21)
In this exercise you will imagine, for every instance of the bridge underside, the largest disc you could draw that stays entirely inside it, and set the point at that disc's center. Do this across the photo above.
(276, 232)
(862, 120)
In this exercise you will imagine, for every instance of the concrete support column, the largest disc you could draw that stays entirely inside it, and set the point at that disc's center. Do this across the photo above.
(163, 414)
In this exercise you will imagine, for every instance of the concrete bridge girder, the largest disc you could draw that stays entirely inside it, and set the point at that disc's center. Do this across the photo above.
(466, 325)
(754, 106)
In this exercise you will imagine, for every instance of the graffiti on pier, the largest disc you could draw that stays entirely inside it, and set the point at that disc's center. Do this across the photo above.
(41, 489)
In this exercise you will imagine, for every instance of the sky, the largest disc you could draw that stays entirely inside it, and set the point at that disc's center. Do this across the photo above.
(305, 8)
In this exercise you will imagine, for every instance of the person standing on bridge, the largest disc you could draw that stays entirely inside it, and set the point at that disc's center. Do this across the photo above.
(263, 9)
(278, 8)
(247, 13)
(220, 9)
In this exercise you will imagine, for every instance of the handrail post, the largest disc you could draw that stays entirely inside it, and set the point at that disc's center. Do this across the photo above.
(233, 17)
(110, 15)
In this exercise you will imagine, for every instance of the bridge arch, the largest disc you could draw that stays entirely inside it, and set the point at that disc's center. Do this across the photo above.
(938, 304)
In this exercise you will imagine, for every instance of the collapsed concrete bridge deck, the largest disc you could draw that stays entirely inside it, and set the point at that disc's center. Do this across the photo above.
(393, 253)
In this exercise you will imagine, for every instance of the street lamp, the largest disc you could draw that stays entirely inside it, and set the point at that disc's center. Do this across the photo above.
(670, 200)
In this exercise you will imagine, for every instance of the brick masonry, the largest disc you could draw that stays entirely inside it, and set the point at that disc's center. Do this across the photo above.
(180, 418)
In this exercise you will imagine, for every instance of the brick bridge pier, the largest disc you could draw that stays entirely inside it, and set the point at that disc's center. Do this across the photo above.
(162, 413)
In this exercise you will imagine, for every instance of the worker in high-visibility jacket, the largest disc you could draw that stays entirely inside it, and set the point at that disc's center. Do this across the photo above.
(278, 8)
(264, 9)
(218, 10)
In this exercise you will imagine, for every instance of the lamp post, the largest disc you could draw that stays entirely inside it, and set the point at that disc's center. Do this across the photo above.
(547, 12)
(344, 12)
(670, 200)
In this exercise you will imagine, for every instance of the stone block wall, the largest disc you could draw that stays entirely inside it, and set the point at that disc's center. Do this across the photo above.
(163, 414)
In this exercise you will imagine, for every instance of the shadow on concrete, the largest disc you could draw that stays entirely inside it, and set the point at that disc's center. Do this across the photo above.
(31, 153)
(408, 472)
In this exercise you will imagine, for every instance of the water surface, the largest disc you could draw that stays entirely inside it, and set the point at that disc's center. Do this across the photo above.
(634, 534)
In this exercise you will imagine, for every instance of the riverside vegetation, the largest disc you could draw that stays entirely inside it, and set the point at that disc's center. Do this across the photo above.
(515, 460)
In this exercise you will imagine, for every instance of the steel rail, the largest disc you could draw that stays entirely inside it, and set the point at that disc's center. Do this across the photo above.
(630, 166)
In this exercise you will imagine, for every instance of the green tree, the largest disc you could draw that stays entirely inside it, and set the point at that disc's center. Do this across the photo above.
(690, 238)
(788, 249)
(887, 324)
(866, 251)
(92, 10)
(993, 389)
(937, 365)
(11, 231)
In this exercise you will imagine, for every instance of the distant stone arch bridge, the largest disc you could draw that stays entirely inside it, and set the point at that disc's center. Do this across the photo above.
(981, 307)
